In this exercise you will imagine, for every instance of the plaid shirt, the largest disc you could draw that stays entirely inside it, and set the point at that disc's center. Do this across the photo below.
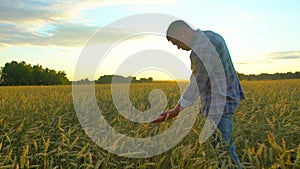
(213, 75)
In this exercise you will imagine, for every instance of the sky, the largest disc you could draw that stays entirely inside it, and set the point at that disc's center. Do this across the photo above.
(262, 36)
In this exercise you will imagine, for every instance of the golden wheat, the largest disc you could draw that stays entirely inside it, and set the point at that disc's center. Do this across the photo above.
(39, 129)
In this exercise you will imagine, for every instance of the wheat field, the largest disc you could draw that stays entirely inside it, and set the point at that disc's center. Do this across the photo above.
(39, 129)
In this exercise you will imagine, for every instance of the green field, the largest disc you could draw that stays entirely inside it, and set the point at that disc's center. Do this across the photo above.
(39, 129)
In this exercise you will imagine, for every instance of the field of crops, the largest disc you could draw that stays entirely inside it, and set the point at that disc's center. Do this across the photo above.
(39, 129)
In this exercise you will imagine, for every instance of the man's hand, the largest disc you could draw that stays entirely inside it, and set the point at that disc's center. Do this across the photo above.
(169, 114)
(165, 116)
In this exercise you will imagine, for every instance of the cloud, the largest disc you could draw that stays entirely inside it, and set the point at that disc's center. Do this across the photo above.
(285, 55)
(23, 22)
(67, 35)
(78, 35)
(32, 15)
(288, 57)
(272, 57)
(53, 10)
(254, 62)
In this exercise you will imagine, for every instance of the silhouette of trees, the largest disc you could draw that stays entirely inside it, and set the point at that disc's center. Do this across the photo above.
(107, 79)
(265, 76)
(150, 79)
(15, 73)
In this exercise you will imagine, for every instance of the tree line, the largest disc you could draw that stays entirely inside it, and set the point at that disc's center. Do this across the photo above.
(266, 76)
(15, 73)
(120, 79)
(108, 79)
(20, 73)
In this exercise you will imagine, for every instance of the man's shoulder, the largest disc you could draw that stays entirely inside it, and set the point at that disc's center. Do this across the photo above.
(215, 38)
(213, 35)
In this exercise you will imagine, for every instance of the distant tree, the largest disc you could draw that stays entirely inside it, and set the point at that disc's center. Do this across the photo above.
(62, 79)
(83, 81)
(1, 80)
(107, 79)
(297, 75)
(150, 79)
(266, 76)
(15, 73)
(38, 75)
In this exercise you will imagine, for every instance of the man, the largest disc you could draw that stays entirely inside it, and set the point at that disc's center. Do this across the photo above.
(213, 76)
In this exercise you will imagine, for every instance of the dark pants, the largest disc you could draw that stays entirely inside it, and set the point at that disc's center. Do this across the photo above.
(225, 127)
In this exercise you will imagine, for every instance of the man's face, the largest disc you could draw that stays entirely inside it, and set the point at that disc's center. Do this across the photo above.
(180, 45)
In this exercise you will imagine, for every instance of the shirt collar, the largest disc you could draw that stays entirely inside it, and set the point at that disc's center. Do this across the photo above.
(197, 37)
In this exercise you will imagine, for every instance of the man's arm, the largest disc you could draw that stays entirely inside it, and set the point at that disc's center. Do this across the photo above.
(189, 96)
(169, 114)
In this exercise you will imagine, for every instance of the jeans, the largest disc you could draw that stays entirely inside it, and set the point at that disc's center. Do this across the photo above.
(225, 127)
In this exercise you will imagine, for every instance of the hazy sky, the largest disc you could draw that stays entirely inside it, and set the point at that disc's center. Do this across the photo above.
(262, 36)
